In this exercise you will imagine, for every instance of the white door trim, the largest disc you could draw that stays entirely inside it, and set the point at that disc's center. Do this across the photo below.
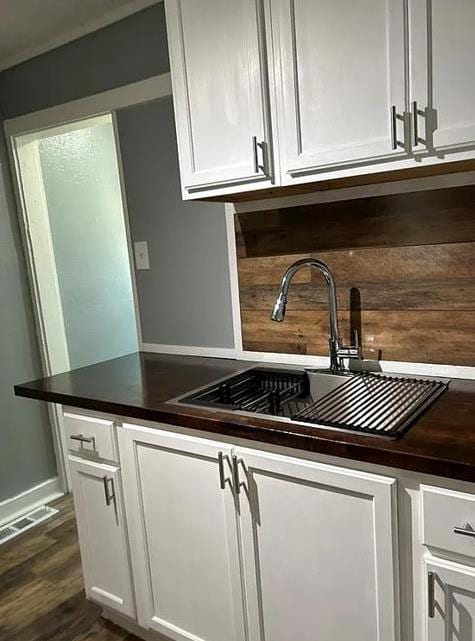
(128, 236)
(50, 328)
(102, 103)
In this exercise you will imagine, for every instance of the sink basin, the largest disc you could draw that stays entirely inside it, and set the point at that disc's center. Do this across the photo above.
(372, 403)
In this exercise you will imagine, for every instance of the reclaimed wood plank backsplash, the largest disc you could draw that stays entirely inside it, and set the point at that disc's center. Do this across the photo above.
(404, 267)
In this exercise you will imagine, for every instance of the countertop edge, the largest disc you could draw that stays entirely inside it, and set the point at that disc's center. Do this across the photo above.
(174, 415)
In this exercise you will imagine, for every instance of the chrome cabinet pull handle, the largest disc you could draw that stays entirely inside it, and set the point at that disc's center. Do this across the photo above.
(84, 439)
(415, 113)
(222, 479)
(237, 487)
(466, 530)
(265, 160)
(431, 594)
(393, 127)
(394, 118)
(255, 152)
(110, 496)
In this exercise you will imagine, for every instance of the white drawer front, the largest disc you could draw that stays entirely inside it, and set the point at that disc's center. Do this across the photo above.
(91, 437)
(448, 520)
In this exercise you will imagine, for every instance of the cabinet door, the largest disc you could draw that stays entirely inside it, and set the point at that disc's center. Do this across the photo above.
(102, 534)
(319, 551)
(184, 545)
(450, 602)
(219, 92)
(342, 71)
(442, 72)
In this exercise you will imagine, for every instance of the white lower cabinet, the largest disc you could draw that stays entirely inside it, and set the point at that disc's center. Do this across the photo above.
(450, 602)
(229, 544)
(182, 525)
(102, 534)
(318, 549)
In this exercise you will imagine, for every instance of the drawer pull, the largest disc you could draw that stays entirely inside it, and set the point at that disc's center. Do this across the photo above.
(84, 439)
(466, 530)
(431, 594)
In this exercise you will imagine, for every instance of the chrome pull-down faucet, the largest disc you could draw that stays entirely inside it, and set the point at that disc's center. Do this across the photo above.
(338, 352)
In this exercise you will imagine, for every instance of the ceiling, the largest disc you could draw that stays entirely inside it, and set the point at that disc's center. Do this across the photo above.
(31, 27)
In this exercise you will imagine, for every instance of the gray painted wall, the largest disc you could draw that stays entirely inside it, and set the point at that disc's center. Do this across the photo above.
(185, 296)
(126, 51)
(26, 448)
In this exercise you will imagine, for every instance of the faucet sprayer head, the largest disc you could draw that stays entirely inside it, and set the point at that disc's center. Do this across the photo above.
(278, 313)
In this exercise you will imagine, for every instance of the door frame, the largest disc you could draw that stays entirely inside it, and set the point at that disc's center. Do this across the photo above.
(72, 115)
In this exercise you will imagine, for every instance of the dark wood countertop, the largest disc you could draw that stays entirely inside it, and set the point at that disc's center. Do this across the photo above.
(137, 386)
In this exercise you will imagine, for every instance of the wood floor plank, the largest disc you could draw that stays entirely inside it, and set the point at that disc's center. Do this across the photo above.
(41, 586)
(69, 621)
(23, 548)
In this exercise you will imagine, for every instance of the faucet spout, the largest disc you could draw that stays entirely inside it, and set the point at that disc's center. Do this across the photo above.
(337, 352)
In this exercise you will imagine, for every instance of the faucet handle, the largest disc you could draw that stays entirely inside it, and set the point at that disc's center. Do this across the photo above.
(351, 351)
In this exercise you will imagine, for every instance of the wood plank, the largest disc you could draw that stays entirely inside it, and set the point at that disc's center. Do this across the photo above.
(22, 549)
(71, 620)
(431, 336)
(450, 295)
(427, 263)
(420, 218)
(265, 271)
(375, 265)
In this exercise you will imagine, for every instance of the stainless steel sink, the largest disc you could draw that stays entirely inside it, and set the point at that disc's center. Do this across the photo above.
(372, 403)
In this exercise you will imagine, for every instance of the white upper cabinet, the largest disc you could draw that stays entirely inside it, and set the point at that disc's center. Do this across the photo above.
(443, 73)
(341, 95)
(281, 92)
(318, 551)
(218, 63)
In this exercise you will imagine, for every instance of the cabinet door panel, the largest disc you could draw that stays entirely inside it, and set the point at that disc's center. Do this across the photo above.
(183, 536)
(218, 88)
(442, 71)
(454, 603)
(102, 535)
(342, 70)
(318, 552)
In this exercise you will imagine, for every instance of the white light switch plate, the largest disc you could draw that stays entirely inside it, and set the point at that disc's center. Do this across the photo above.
(141, 255)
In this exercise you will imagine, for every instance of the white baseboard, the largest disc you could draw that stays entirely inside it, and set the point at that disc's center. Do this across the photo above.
(131, 626)
(30, 499)
(181, 350)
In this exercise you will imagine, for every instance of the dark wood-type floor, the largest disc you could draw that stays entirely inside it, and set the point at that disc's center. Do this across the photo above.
(41, 586)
